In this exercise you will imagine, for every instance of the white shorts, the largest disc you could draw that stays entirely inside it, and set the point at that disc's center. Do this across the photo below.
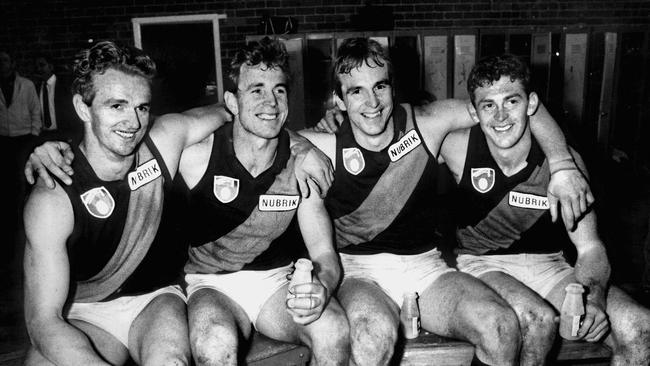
(540, 272)
(249, 289)
(116, 316)
(396, 274)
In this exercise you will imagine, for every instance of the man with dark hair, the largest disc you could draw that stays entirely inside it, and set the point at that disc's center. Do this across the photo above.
(505, 234)
(242, 178)
(57, 112)
(383, 201)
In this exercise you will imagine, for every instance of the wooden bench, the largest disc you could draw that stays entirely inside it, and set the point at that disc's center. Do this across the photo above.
(427, 349)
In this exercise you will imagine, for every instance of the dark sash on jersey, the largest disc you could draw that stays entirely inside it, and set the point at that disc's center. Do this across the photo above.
(504, 224)
(386, 199)
(251, 238)
(142, 220)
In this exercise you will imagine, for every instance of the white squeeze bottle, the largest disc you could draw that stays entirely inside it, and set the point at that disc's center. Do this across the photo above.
(571, 312)
(410, 316)
(301, 274)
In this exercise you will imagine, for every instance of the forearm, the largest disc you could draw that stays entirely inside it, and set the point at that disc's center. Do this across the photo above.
(63, 344)
(329, 273)
(551, 139)
(592, 270)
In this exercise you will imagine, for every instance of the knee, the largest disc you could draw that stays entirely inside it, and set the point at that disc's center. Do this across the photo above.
(632, 334)
(373, 339)
(498, 330)
(214, 345)
(167, 359)
(35, 358)
(330, 338)
(539, 323)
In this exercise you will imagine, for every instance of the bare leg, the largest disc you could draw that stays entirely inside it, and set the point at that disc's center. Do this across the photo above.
(629, 338)
(159, 335)
(461, 306)
(215, 321)
(537, 318)
(35, 358)
(374, 319)
(107, 346)
(327, 337)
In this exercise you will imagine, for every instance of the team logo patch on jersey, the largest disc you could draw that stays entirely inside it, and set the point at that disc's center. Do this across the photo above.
(278, 202)
(225, 188)
(405, 145)
(482, 179)
(353, 160)
(525, 200)
(98, 202)
(144, 174)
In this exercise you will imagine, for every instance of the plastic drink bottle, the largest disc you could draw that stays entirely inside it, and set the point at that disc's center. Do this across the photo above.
(572, 311)
(410, 316)
(301, 274)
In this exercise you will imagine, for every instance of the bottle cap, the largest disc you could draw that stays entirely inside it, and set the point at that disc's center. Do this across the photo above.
(304, 264)
(575, 288)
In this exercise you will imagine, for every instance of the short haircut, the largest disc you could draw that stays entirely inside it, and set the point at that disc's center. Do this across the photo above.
(105, 55)
(266, 51)
(44, 56)
(353, 53)
(490, 69)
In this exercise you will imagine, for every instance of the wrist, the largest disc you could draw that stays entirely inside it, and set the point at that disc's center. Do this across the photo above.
(562, 164)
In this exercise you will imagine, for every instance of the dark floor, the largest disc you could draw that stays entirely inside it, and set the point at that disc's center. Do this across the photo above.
(623, 208)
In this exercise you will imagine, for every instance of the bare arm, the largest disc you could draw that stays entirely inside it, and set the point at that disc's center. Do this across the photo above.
(174, 132)
(312, 165)
(316, 230)
(592, 270)
(48, 223)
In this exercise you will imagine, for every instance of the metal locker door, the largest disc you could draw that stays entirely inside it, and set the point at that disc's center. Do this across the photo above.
(464, 59)
(606, 91)
(435, 66)
(575, 57)
(296, 120)
(540, 64)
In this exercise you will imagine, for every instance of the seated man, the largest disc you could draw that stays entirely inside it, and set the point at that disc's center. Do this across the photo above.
(383, 204)
(110, 233)
(242, 177)
(505, 234)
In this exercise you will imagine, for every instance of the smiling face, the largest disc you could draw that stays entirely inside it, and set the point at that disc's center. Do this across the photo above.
(260, 104)
(502, 109)
(367, 96)
(119, 113)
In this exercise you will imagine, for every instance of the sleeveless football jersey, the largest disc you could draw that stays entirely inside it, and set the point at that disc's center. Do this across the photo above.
(384, 201)
(100, 212)
(505, 215)
(241, 222)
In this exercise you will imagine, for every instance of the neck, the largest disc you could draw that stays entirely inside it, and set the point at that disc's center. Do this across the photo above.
(107, 166)
(376, 142)
(255, 153)
(512, 160)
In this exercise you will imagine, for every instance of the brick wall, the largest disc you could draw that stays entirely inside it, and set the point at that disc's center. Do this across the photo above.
(60, 27)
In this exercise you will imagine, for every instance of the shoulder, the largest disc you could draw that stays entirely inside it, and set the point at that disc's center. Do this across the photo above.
(48, 211)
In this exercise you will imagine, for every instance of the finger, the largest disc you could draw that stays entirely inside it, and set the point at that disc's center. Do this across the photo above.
(42, 172)
(305, 320)
(585, 326)
(597, 331)
(583, 204)
(552, 206)
(304, 188)
(590, 197)
(339, 117)
(567, 215)
(29, 175)
(303, 303)
(575, 206)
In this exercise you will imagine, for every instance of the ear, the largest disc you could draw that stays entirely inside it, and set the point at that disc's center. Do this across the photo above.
(472, 112)
(83, 111)
(533, 103)
(231, 102)
(339, 102)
